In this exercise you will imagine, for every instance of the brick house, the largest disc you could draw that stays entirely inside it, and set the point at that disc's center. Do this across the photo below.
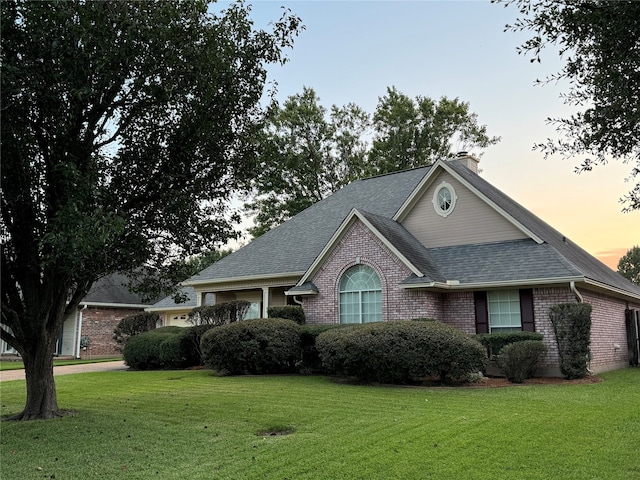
(437, 242)
(89, 331)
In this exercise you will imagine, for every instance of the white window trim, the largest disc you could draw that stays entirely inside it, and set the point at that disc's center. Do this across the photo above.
(436, 204)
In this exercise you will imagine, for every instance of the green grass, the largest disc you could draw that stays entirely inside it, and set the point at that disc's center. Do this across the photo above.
(189, 424)
(18, 365)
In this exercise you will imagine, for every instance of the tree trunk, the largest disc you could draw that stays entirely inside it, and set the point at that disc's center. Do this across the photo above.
(42, 402)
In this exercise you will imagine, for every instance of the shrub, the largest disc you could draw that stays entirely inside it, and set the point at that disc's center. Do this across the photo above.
(495, 342)
(194, 336)
(166, 347)
(310, 359)
(400, 351)
(221, 314)
(519, 361)
(290, 312)
(572, 328)
(134, 325)
(266, 345)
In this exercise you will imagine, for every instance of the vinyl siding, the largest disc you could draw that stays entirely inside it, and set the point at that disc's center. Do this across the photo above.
(472, 220)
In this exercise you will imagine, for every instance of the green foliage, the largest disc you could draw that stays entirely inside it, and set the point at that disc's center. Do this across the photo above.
(126, 127)
(411, 133)
(290, 312)
(134, 325)
(220, 314)
(310, 361)
(519, 360)
(494, 342)
(309, 151)
(400, 351)
(629, 265)
(572, 328)
(598, 42)
(259, 346)
(162, 348)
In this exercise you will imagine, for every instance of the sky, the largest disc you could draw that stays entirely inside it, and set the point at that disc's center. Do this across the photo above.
(351, 51)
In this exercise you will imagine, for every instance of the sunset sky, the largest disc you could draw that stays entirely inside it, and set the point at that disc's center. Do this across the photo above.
(352, 51)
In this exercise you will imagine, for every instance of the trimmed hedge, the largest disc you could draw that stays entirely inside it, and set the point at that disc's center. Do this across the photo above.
(290, 312)
(495, 342)
(400, 351)
(310, 359)
(134, 325)
(220, 314)
(264, 345)
(162, 348)
(572, 327)
(519, 360)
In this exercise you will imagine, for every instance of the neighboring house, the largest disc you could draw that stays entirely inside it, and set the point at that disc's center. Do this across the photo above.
(436, 242)
(89, 331)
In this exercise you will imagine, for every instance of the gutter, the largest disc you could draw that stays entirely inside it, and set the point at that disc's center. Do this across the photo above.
(456, 285)
(79, 330)
(213, 281)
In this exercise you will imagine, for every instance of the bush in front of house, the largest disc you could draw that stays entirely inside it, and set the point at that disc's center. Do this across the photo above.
(572, 328)
(220, 314)
(519, 360)
(161, 348)
(134, 325)
(290, 312)
(400, 351)
(495, 342)
(259, 346)
(310, 359)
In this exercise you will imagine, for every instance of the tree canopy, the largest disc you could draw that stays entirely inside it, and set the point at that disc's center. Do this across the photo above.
(125, 128)
(309, 151)
(599, 42)
(629, 265)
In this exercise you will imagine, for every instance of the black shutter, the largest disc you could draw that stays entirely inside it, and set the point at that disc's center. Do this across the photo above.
(482, 312)
(526, 310)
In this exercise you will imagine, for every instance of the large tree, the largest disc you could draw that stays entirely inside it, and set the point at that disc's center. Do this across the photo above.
(412, 133)
(125, 127)
(629, 265)
(599, 43)
(309, 151)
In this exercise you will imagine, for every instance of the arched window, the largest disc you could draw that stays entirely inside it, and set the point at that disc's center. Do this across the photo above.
(360, 295)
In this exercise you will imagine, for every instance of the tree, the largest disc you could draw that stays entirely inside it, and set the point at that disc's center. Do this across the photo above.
(413, 133)
(125, 127)
(310, 152)
(307, 154)
(599, 41)
(629, 265)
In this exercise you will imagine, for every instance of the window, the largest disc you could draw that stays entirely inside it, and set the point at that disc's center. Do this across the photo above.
(255, 311)
(504, 311)
(444, 199)
(360, 295)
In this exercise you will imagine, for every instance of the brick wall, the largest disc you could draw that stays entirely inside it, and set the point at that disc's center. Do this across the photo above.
(459, 311)
(98, 324)
(397, 303)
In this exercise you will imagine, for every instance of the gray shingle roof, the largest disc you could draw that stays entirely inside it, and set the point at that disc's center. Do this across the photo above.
(294, 245)
(169, 302)
(113, 289)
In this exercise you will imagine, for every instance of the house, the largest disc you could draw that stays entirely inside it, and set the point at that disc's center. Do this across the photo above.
(438, 242)
(89, 330)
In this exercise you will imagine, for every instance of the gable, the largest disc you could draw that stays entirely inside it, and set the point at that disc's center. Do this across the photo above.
(471, 221)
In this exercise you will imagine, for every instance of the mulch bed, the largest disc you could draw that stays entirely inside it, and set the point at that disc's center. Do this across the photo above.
(494, 382)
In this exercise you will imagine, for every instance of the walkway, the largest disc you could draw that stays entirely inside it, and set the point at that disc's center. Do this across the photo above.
(7, 375)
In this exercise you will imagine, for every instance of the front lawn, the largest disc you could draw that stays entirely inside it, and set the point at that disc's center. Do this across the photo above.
(18, 365)
(189, 424)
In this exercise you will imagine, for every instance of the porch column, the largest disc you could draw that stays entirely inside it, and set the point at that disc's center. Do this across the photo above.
(265, 301)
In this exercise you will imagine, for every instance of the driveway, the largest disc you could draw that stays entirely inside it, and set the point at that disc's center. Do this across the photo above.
(7, 375)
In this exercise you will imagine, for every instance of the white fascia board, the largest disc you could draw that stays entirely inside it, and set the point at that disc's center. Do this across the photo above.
(452, 285)
(337, 236)
(289, 293)
(424, 183)
(245, 278)
(169, 309)
(114, 305)
(618, 291)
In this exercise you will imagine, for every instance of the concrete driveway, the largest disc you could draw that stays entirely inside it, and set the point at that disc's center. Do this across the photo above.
(7, 375)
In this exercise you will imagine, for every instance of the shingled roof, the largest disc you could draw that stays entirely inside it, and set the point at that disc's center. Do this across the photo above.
(293, 247)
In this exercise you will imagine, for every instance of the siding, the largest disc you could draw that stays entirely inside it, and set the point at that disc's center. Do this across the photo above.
(472, 220)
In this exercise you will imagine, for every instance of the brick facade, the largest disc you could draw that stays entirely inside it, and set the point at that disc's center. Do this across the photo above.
(98, 324)
(360, 245)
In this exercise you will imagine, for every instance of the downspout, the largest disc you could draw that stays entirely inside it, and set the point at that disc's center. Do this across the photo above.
(576, 292)
(79, 331)
(295, 299)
